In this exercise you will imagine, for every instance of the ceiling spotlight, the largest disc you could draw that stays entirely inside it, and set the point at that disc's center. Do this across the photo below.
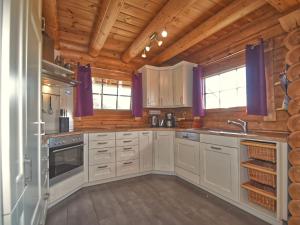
(147, 48)
(159, 42)
(164, 33)
(144, 54)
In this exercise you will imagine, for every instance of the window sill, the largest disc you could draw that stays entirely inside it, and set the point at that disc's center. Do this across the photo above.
(234, 109)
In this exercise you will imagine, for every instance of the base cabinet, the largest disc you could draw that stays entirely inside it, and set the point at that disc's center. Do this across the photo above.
(146, 151)
(164, 151)
(219, 169)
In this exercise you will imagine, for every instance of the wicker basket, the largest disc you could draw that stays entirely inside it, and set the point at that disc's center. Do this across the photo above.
(262, 200)
(263, 178)
(262, 153)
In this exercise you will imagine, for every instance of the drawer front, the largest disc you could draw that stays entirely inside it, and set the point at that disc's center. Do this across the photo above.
(219, 140)
(100, 156)
(102, 144)
(126, 135)
(101, 136)
(127, 167)
(127, 153)
(102, 171)
(127, 142)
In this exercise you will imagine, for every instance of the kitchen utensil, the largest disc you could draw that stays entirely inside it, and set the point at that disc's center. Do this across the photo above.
(43, 110)
(50, 110)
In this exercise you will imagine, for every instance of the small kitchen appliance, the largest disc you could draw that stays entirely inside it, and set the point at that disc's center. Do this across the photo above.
(170, 120)
(154, 121)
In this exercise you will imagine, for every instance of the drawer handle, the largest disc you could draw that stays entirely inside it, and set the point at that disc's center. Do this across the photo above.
(127, 148)
(127, 141)
(215, 148)
(102, 143)
(127, 163)
(145, 133)
(102, 135)
(101, 151)
(126, 134)
(102, 167)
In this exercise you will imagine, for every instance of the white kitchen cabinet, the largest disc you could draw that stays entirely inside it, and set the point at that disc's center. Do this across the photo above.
(166, 88)
(164, 151)
(187, 155)
(183, 84)
(151, 94)
(219, 169)
(146, 151)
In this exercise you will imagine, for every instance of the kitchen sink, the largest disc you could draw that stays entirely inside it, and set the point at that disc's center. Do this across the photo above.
(228, 132)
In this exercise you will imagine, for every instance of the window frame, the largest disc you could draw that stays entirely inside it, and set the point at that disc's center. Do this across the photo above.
(115, 95)
(234, 108)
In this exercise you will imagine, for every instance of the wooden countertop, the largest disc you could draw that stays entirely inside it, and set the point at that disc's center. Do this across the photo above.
(268, 135)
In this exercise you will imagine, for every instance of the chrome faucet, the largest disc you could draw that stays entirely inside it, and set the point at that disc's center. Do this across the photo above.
(240, 123)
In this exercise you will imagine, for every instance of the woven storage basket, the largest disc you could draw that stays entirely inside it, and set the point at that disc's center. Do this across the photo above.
(263, 153)
(262, 200)
(261, 177)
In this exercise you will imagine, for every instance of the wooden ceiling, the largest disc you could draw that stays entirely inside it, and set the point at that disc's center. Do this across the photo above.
(114, 32)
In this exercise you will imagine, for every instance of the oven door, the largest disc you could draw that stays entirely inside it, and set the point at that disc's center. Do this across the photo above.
(65, 162)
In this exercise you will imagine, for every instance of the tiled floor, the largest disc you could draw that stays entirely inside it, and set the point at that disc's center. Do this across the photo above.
(147, 200)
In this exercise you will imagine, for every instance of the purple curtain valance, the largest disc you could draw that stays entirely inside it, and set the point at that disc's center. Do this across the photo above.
(198, 92)
(256, 80)
(137, 95)
(84, 94)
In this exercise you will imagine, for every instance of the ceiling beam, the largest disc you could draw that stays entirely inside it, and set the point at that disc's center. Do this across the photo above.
(167, 14)
(51, 21)
(232, 13)
(283, 5)
(107, 16)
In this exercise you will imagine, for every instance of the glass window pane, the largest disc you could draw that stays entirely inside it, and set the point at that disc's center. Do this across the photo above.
(97, 101)
(110, 87)
(124, 102)
(97, 88)
(109, 102)
(228, 98)
(212, 101)
(241, 99)
(228, 80)
(212, 84)
(241, 77)
(124, 88)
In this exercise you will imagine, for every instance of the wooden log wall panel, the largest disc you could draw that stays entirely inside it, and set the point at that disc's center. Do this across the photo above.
(283, 5)
(51, 20)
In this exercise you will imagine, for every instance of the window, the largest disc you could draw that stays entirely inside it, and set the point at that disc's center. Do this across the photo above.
(226, 90)
(111, 94)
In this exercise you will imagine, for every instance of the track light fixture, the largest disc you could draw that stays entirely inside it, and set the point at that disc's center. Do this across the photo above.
(164, 33)
(154, 37)
(148, 47)
(144, 54)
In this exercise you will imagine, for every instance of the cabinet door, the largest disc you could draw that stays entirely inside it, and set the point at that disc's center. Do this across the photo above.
(150, 87)
(219, 169)
(164, 151)
(178, 85)
(146, 151)
(166, 88)
(187, 155)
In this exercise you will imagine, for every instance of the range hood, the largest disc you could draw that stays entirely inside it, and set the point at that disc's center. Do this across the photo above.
(54, 75)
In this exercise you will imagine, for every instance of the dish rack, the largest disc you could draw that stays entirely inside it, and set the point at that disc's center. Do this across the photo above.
(261, 168)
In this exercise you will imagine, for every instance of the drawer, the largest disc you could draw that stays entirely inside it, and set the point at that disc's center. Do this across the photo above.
(101, 136)
(102, 171)
(219, 140)
(127, 142)
(127, 167)
(102, 144)
(126, 135)
(127, 153)
(103, 155)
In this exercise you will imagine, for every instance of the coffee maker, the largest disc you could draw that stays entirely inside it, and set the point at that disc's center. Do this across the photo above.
(170, 120)
(154, 121)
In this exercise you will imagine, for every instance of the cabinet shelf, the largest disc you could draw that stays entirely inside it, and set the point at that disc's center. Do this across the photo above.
(259, 144)
(260, 189)
(261, 166)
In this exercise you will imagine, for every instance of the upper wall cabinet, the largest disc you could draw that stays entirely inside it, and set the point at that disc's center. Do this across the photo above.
(168, 87)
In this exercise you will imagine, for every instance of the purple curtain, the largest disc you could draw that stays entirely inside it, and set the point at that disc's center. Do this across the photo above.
(198, 92)
(256, 80)
(137, 95)
(84, 94)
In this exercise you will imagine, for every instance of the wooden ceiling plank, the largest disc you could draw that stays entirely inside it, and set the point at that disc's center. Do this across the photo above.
(232, 13)
(131, 20)
(108, 15)
(283, 5)
(80, 39)
(136, 12)
(51, 18)
(164, 16)
(126, 26)
(145, 5)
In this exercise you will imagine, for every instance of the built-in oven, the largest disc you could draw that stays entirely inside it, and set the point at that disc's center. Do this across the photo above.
(65, 157)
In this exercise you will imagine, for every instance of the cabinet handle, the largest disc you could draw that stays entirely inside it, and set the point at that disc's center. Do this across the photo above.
(101, 151)
(145, 133)
(127, 163)
(102, 167)
(127, 141)
(127, 148)
(126, 134)
(215, 148)
(102, 143)
(27, 169)
(102, 135)
(46, 196)
(181, 99)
